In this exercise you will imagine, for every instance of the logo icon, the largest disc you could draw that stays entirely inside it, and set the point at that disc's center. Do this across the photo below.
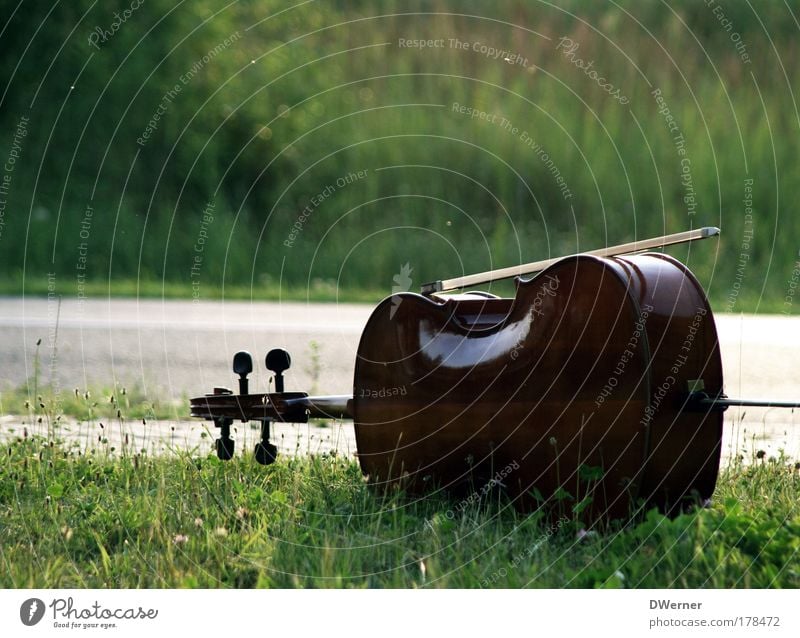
(31, 611)
(402, 283)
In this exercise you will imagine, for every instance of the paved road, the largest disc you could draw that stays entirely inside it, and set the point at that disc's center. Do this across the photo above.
(175, 348)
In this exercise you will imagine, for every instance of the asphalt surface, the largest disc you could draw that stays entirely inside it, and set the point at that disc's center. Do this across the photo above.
(181, 348)
(174, 347)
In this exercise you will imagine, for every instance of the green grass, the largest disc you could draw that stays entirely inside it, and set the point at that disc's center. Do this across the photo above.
(43, 403)
(123, 518)
(326, 291)
(87, 405)
(317, 291)
(188, 520)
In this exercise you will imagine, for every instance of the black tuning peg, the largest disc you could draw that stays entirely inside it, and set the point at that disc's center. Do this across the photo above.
(265, 452)
(224, 445)
(277, 361)
(243, 365)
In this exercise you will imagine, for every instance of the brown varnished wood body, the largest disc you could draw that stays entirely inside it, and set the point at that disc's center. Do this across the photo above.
(537, 390)
(685, 446)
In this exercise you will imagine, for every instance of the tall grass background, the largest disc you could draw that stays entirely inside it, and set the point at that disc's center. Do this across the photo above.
(308, 94)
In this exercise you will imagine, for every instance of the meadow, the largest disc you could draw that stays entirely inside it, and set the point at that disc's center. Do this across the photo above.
(89, 514)
(74, 519)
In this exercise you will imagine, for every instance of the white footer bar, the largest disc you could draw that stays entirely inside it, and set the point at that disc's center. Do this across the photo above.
(400, 613)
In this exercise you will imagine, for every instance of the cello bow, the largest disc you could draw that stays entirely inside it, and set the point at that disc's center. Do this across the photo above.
(444, 285)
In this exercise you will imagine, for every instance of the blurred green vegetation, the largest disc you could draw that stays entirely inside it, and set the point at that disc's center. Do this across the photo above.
(265, 123)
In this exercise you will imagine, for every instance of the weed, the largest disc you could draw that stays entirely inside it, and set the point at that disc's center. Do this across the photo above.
(73, 519)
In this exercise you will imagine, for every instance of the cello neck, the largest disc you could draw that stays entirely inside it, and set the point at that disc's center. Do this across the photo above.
(444, 285)
(325, 407)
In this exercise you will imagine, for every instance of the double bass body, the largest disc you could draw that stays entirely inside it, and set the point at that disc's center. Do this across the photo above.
(575, 389)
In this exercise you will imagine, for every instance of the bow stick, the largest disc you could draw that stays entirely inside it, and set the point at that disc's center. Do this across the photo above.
(444, 285)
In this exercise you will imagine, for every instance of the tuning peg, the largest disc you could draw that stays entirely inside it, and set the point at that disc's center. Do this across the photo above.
(224, 448)
(243, 365)
(277, 361)
(265, 452)
(224, 445)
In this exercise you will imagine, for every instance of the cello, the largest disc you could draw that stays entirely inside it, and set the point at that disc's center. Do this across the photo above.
(598, 387)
